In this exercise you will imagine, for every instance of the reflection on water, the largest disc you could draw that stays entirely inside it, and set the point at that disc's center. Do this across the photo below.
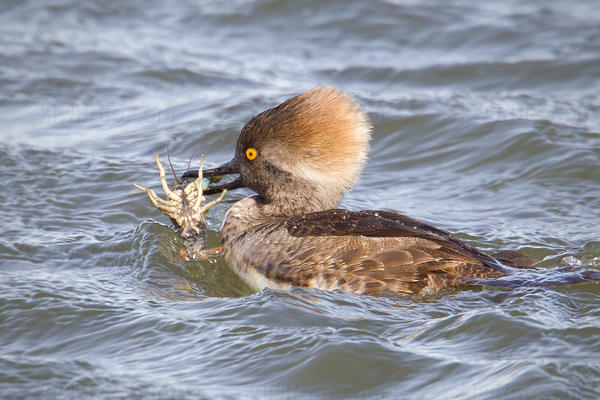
(486, 122)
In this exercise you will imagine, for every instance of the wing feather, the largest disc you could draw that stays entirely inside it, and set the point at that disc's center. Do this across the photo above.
(403, 255)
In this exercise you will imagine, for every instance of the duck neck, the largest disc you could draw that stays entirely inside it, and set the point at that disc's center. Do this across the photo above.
(278, 204)
(256, 210)
(288, 208)
(298, 199)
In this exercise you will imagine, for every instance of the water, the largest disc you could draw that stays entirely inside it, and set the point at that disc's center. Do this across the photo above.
(487, 124)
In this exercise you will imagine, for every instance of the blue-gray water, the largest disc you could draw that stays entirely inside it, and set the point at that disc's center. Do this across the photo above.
(486, 123)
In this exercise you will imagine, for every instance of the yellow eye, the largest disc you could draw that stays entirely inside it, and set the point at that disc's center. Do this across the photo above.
(251, 153)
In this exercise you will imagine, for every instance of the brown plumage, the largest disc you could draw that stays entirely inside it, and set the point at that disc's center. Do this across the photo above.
(364, 252)
(307, 153)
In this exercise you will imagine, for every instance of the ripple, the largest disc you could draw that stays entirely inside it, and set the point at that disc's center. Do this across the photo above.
(485, 124)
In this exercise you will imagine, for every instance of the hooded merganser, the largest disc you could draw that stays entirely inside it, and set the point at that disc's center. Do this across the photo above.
(300, 158)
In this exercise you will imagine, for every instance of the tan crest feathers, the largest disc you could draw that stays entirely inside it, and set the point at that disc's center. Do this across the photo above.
(321, 132)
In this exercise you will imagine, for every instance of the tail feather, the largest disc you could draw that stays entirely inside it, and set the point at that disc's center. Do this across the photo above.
(514, 259)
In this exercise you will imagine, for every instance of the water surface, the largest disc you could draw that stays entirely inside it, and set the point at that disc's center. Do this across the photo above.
(486, 123)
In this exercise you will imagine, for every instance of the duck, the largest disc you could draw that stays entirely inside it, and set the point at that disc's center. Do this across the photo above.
(300, 158)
